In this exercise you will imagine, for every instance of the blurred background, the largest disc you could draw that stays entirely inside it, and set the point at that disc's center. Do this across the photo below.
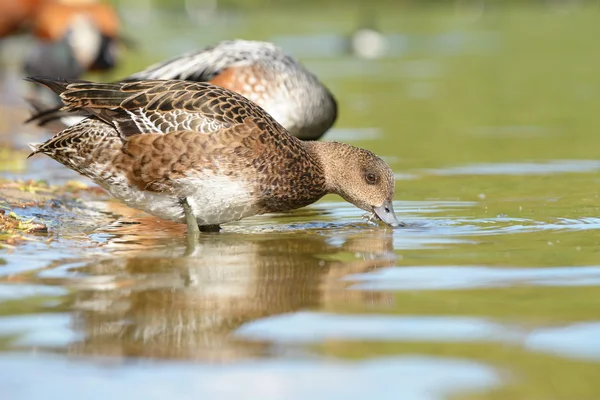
(487, 111)
(433, 68)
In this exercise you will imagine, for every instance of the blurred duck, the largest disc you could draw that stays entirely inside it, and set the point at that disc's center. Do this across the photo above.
(367, 41)
(86, 29)
(71, 36)
(17, 15)
(261, 72)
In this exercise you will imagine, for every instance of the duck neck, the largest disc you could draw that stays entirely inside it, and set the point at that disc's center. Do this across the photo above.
(332, 158)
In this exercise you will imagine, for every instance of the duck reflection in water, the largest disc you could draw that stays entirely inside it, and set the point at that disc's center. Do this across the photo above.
(163, 304)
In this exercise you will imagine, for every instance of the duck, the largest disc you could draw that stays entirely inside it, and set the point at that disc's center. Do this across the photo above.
(260, 71)
(70, 37)
(204, 155)
(73, 37)
(367, 41)
(16, 15)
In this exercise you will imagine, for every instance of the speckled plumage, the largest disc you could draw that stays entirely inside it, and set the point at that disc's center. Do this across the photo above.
(261, 72)
(153, 144)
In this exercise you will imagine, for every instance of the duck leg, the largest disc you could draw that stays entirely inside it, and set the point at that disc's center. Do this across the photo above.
(193, 230)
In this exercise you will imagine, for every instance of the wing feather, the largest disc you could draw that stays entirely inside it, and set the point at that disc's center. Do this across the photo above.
(157, 106)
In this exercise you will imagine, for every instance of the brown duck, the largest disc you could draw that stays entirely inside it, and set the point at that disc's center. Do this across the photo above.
(260, 71)
(201, 154)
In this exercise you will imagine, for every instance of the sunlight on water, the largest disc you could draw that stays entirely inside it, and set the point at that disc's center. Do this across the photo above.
(431, 378)
(43, 330)
(573, 341)
(453, 278)
(12, 291)
(311, 327)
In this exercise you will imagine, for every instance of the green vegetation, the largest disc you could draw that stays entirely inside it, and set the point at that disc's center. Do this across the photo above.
(13, 228)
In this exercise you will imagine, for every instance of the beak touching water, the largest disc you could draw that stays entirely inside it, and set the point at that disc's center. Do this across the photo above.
(386, 213)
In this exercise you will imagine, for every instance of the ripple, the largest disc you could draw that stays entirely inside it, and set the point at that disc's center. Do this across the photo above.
(19, 291)
(574, 224)
(332, 215)
(520, 168)
(36, 256)
(63, 270)
(310, 327)
(423, 378)
(573, 341)
(46, 330)
(452, 277)
(495, 226)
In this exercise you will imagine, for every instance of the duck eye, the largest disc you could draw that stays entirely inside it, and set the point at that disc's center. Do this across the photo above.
(371, 178)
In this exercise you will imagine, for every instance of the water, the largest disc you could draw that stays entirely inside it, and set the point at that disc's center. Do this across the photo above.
(491, 291)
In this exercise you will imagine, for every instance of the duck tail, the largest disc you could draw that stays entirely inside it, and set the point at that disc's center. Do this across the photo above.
(35, 148)
(57, 85)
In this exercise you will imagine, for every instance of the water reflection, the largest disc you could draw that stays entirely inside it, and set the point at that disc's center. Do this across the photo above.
(164, 303)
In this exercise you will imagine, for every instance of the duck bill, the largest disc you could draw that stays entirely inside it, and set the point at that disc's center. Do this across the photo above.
(386, 213)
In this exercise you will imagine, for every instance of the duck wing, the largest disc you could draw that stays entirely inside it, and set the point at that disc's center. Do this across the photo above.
(159, 107)
(204, 65)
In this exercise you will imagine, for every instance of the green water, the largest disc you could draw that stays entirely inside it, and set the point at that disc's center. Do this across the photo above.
(492, 292)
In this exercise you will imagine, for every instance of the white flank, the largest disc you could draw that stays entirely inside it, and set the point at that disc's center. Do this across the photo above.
(218, 199)
(214, 199)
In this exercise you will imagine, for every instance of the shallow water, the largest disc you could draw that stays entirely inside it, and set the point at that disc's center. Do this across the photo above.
(492, 291)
